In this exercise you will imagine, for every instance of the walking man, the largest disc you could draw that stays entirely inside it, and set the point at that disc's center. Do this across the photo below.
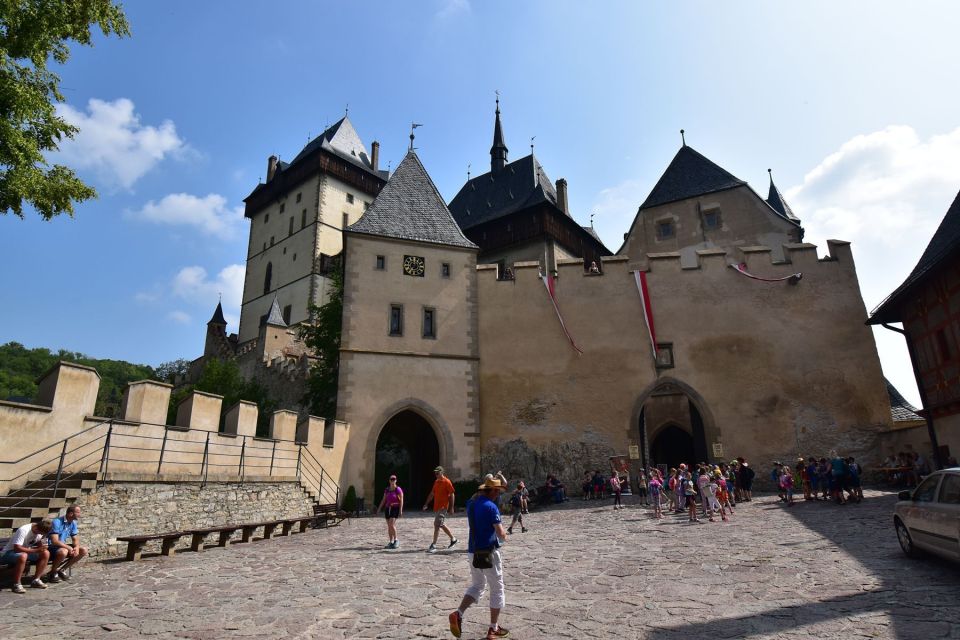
(443, 499)
(483, 552)
(64, 555)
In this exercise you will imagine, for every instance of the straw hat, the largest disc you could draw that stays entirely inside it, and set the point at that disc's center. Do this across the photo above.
(489, 482)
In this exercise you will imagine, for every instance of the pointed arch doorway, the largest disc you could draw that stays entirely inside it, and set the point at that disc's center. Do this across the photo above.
(407, 446)
(674, 425)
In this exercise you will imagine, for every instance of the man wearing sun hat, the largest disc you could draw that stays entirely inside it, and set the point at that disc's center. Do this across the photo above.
(483, 552)
(443, 498)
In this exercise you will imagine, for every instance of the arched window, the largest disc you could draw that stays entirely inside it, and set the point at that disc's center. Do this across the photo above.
(267, 278)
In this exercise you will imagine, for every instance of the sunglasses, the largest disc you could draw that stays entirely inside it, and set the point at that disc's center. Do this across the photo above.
(393, 479)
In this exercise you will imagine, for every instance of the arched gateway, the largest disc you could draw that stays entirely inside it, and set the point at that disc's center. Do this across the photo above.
(674, 425)
(407, 446)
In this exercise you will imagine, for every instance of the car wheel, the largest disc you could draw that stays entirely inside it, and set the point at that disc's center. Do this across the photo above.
(906, 542)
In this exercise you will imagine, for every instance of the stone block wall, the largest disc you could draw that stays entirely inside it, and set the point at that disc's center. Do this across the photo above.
(136, 508)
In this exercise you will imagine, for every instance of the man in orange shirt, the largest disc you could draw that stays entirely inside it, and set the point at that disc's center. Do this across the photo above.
(443, 503)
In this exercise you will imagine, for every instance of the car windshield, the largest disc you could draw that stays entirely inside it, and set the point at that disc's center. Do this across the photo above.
(950, 490)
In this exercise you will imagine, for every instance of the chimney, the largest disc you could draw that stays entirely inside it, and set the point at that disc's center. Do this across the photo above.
(271, 167)
(375, 155)
(562, 196)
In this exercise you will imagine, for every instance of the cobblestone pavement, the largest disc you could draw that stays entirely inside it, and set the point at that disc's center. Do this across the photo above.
(582, 571)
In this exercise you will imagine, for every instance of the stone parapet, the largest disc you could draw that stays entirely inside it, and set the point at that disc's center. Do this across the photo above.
(146, 401)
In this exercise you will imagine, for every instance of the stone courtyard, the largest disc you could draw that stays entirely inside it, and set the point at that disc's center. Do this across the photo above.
(582, 571)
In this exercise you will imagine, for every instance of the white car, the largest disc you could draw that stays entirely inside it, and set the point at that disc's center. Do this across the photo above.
(928, 517)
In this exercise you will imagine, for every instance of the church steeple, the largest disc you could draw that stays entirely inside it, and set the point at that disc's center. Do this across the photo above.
(777, 202)
(498, 152)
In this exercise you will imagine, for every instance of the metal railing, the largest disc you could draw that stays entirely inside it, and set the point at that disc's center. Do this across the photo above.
(149, 449)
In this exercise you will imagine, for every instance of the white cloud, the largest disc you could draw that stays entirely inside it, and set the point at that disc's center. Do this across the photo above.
(210, 214)
(886, 192)
(193, 285)
(452, 8)
(179, 317)
(114, 144)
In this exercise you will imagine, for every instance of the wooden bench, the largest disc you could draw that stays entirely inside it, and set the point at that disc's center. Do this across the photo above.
(325, 514)
(300, 523)
(199, 536)
(135, 544)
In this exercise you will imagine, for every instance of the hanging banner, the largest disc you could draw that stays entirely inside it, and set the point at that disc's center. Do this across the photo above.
(548, 282)
(793, 278)
(641, 278)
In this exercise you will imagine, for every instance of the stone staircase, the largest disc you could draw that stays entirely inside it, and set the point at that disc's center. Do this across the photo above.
(38, 499)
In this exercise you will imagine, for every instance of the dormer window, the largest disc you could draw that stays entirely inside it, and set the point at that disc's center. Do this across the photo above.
(350, 198)
(665, 229)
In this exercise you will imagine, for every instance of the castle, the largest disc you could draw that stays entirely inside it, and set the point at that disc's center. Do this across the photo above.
(497, 333)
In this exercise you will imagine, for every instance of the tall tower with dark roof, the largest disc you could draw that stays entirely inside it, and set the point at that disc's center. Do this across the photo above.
(498, 152)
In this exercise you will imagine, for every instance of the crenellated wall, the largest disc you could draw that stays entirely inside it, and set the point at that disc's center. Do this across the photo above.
(774, 369)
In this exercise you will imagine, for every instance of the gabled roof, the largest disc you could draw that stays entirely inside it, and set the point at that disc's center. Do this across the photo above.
(777, 202)
(944, 244)
(276, 316)
(900, 409)
(409, 207)
(689, 174)
(218, 316)
(520, 184)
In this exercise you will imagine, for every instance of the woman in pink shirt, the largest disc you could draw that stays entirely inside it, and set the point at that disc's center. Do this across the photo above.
(392, 505)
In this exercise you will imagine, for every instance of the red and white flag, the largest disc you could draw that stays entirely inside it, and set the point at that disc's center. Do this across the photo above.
(549, 282)
(641, 278)
(794, 278)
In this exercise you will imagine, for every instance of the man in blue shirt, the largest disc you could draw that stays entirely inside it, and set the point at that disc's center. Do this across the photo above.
(483, 552)
(63, 555)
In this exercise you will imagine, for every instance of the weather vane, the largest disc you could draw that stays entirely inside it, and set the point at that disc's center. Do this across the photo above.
(413, 125)
(346, 110)
(532, 138)
(497, 91)
(683, 138)
(591, 219)
(468, 170)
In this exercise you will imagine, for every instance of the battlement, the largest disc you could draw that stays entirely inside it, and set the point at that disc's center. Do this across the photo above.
(759, 259)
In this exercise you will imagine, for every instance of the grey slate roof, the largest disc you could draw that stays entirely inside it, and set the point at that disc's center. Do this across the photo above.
(409, 207)
(342, 140)
(944, 244)
(218, 316)
(689, 174)
(900, 409)
(520, 184)
(276, 316)
(592, 232)
(776, 200)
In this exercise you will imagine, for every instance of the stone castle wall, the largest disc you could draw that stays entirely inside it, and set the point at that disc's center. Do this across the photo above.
(135, 508)
(776, 370)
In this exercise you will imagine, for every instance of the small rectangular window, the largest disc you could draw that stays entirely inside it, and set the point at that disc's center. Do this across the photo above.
(664, 355)
(271, 241)
(381, 263)
(445, 270)
(266, 218)
(429, 323)
(290, 230)
(283, 205)
(664, 229)
(346, 220)
(350, 198)
(396, 320)
(303, 219)
(298, 197)
(711, 219)
(287, 310)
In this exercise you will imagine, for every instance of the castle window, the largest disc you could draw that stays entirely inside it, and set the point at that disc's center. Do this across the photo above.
(350, 198)
(294, 257)
(284, 251)
(346, 221)
(271, 241)
(711, 219)
(303, 219)
(266, 218)
(366, 205)
(665, 229)
(267, 278)
(445, 270)
(282, 206)
(664, 355)
(287, 310)
(290, 230)
(429, 324)
(381, 263)
(396, 320)
(298, 197)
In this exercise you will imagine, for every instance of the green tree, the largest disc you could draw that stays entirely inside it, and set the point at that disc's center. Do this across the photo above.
(173, 371)
(322, 336)
(32, 32)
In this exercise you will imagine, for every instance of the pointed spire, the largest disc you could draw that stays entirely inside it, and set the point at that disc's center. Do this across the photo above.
(276, 316)
(776, 201)
(498, 152)
(218, 316)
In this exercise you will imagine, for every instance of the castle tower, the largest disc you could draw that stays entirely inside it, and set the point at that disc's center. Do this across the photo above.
(409, 351)
(296, 220)
(216, 334)
(498, 152)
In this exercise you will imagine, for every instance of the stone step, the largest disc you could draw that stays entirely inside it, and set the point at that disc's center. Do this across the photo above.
(48, 494)
(82, 475)
(24, 512)
(68, 483)
(14, 523)
(21, 501)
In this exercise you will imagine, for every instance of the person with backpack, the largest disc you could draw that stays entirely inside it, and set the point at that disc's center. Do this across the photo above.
(616, 490)
(516, 505)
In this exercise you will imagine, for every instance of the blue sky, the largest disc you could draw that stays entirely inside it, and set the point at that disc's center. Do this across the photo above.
(851, 104)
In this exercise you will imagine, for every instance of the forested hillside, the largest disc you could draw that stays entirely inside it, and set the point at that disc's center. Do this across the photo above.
(20, 367)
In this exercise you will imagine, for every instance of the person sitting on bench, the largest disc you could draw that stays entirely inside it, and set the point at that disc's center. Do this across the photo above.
(63, 555)
(27, 544)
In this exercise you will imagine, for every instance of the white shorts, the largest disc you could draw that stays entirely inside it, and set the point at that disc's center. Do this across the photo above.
(480, 578)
